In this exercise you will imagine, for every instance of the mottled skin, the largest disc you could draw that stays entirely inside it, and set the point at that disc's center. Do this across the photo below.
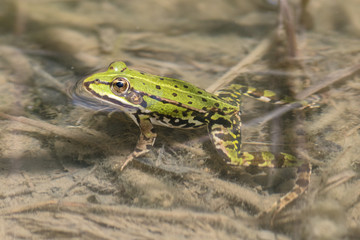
(152, 100)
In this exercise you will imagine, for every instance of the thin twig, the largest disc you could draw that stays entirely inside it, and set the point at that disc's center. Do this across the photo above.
(95, 140)
(79, 182)
(229, 76)
(50, 80)
(338, 179)
(328, 80)
(286, 20)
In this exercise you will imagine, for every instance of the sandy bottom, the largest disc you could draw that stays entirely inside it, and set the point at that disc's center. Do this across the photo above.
(55, 156)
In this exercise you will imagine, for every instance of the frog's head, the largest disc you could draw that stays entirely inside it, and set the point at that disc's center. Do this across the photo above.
(113, 86)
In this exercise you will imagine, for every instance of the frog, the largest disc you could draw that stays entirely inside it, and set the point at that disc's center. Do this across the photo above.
(155, 100)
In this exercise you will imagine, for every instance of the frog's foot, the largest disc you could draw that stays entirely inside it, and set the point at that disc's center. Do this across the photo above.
(301, 184)
(118, 167)
(141, 148)
(145, 142)
(312, 101)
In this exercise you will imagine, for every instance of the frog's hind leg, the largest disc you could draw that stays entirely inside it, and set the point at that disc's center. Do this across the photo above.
(227, 140)
(226, 136)
(301, 184)
(233, 93)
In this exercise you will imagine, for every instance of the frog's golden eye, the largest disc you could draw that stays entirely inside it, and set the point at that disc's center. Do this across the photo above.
(120, 85)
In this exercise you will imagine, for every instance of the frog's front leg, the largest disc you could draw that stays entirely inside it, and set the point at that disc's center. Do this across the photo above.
(145, 142)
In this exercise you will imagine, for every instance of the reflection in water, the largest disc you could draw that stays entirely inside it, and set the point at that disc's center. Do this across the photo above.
(81, 97)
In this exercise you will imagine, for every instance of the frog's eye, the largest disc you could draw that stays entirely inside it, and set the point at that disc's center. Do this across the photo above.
(120, 85)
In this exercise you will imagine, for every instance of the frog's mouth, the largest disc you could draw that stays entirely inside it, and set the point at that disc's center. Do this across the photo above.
(82, 97)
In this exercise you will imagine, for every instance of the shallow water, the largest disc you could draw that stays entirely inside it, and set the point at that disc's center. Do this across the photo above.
(55, 154)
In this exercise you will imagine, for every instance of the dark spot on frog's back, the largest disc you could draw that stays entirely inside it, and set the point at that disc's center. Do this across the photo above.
(174, 94)
(200, 92)
(143, 104)
(161, 78)
(158, 87)
(216, 105)
(204, 99)
(189, 102)
(186, 86)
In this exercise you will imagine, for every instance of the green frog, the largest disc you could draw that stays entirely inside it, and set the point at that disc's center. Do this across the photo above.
(154, 100)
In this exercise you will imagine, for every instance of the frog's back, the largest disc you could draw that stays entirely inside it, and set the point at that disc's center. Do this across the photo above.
(178, 91)
(133, 91)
